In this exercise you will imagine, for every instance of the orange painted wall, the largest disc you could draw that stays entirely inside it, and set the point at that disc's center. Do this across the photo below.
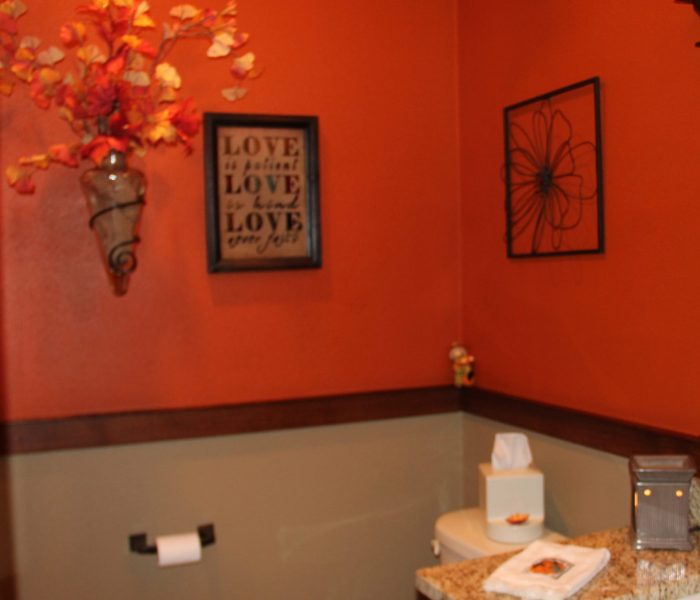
(380, 314)
(616, 334)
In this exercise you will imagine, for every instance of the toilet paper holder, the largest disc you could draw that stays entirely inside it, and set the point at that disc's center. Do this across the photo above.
(137, 541)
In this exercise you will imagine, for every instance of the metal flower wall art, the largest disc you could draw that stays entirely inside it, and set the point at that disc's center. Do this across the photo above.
(110, 81)
(554, 193)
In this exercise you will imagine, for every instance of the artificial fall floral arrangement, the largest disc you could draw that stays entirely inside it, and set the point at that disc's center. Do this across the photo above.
(119, 93)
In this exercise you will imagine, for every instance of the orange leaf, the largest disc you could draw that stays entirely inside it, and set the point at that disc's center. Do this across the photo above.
(22, 70)
(138, 45)
(98, 148)
(24, 53)
(115, 65)
(72, 34)
(49, 76)
(40, 161)
(239, 39)
(20, 179)
(146, 49)
(63, 154)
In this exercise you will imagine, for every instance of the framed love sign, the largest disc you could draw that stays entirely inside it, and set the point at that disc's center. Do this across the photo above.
(261, 174)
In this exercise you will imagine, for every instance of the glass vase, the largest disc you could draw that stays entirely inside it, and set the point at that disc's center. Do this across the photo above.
(115, 197)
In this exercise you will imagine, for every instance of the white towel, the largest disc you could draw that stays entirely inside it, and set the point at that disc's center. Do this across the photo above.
(547, 571)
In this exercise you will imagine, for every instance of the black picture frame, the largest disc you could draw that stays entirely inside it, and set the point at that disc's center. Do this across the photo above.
(554, 173)
(262, 192)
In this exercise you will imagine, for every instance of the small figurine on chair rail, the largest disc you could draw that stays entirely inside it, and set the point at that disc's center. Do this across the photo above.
(462, 365)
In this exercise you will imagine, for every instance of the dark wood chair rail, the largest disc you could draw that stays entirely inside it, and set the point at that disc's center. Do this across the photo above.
(158, 425)
(587, 429)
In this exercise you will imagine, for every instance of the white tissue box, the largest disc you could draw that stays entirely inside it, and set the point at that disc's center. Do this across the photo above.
(505, 493)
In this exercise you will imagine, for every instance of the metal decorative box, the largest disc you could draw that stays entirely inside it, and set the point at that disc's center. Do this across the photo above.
(660, 501)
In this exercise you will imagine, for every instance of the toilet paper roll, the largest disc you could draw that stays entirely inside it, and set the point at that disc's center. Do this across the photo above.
(180, 549)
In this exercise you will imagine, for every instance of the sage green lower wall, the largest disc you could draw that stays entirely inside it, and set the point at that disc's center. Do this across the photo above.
(329, 513)
(342, 512)
(585, 490)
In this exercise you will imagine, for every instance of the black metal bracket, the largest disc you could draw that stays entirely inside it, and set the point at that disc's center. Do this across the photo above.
(696, 6)
(137, 541)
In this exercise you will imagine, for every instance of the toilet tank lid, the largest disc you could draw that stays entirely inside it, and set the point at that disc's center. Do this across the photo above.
(464, 532)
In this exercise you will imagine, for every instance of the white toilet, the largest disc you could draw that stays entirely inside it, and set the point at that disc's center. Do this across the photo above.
(510, 514)
(461, 535)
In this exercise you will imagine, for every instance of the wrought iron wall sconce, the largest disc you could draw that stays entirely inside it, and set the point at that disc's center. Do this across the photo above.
(115, 198)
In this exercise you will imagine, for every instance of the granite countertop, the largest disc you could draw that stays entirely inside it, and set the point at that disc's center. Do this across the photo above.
(630, 574)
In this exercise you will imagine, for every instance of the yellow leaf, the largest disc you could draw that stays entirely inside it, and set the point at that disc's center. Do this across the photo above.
(168, 76)
(144, 21)
(13, 173)
(184, 12)
(167, 94)
(136, 62)
(230, 9)
(14, 8)
(90, 54)
(20, 179)
(242, 65)
(30, 41)
(225, 37)
(123, 3)
(168, 32)
(50, 56)
(234, 93)
(65, 114)
(162, 131)
(19, 8)
(221, 46)
(131, 40)
(160, 128)
(138, 78)
(141, 8)
(40, 161)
